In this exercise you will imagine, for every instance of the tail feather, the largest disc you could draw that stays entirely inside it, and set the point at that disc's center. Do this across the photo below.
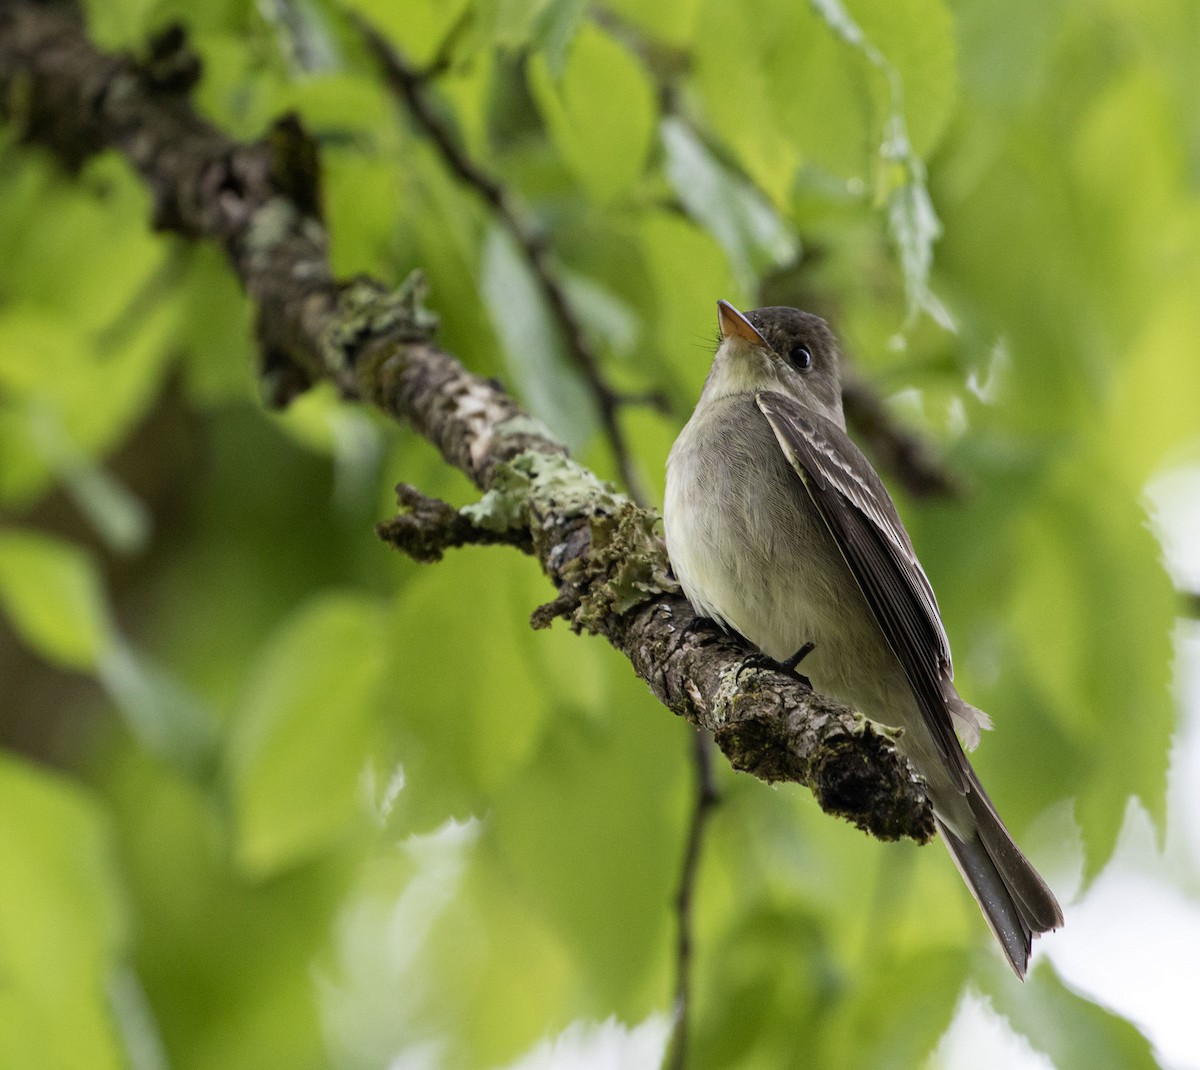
(1012, 895)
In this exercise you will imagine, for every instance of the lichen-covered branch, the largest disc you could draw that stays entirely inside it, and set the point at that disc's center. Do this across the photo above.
(261, 203)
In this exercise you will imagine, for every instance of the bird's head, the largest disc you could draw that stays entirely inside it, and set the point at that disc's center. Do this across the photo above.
(777, 348)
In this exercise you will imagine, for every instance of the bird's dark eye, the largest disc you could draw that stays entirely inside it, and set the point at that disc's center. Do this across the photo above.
(799, 357)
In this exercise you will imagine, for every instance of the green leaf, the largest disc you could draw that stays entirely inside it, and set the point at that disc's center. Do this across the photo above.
(753, 236)
(916, 38)
(600, 868)
(895, 1015)
(83, 340)
(197, 915)
(770, 78)
(1074, 1032)
(54, 597)
(774, 981)
(554, 31)
(419, 27)
(1117, 712)
(884, 35)
(117, 516)
(214, 331)
(533, 345)
(161, 714)
(62, 925)
(672, 21)
(600, 115)
(498, 679)
(300, 742)
(688, 272)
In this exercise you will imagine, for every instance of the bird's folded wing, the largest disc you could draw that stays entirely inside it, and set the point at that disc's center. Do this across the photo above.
(864, 523)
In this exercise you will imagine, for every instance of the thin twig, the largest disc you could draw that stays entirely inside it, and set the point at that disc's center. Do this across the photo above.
(425, 528)
(705, 799)
(409, 84)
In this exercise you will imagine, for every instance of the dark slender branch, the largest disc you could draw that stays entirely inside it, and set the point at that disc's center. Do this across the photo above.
(409, 84)
(260, 202)
(704, 800)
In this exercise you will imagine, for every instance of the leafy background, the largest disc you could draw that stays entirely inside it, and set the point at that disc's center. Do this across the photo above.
(274, 797)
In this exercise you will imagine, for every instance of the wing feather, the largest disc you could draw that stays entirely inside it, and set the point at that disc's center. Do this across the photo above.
(863, 521)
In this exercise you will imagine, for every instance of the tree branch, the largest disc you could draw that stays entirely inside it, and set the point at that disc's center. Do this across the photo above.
(408, 85)
(704, 800)
(260, 203)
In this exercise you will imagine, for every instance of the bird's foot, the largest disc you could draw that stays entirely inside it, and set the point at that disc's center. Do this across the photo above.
(787, 666)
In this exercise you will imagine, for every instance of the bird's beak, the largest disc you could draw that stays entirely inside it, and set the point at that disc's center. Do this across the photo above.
(734, 325)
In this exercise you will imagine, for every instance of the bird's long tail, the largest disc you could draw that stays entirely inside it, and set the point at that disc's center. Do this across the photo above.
(1012, 895)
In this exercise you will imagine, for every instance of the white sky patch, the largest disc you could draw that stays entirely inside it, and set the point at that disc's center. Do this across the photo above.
(607, 1045)
(1132, 944)
(981, 1039)
(1174, 498)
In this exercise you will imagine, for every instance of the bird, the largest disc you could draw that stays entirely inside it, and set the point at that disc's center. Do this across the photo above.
(778, 528)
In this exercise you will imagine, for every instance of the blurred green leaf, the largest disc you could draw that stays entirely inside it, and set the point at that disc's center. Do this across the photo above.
(474, 710)
(1116, 710)
(117, 516)
(776, 979)
(62, 925)
(916, 39)
(600, 867)
(300, 741)
(418, 27)
(753, 236)
(53, 594)
(533, 344)
(554, 31)
(196, 913)
(214, 331)
(600, 114)
(898, 1011)
(165, 718)
(1076, 1033)
(673, 21)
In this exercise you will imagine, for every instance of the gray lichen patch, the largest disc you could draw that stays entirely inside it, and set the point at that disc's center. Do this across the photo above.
(369, 311)
(269, 226)
(625, 566)
(619, 563)
(535, 485)
(506, 505)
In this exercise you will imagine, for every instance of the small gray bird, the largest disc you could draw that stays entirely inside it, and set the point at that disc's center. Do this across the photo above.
(780, 529)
